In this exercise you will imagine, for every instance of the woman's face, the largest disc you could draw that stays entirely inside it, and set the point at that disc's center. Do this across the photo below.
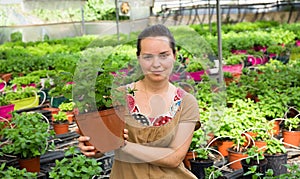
(156, 58)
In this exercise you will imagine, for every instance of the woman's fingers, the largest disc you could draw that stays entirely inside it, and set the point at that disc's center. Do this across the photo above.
(87, 150)
(125, 135)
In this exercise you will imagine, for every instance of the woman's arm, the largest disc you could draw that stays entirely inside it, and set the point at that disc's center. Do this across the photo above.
(165, 157)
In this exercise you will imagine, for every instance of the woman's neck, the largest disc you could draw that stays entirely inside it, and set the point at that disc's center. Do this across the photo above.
(155, 87)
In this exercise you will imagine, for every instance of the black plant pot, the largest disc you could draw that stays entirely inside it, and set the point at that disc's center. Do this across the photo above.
(276, 163)
(198, 166)
(261, 167)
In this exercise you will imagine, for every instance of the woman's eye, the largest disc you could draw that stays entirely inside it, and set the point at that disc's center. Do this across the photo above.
(163, 56)
(147, 57)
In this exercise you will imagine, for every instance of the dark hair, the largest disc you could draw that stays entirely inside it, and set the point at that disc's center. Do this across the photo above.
(155, 31)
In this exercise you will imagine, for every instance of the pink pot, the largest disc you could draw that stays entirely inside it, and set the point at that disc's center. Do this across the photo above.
(2, 86)
(257, 60)
(197, 75)
(233, 68)
(5, 111)
(297, 43)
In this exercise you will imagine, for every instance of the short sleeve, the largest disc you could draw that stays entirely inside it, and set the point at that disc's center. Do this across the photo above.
(190, 109)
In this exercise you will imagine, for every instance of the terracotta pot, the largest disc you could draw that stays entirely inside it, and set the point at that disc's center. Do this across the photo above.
(31, 165)
(276, 128)
(249, 142)
(61, 128)
(291, 137)
(228, 80)
(186, 161)
(6, 77)
(70, 117)
(261, 145)
(223, 146)
(235, 158)
(107, 124)
(53, 110)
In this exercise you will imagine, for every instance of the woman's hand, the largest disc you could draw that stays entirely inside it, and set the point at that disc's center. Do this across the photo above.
(89, 150)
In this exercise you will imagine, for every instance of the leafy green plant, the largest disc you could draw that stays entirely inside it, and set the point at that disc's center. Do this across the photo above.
(16, 36)
(12, 172)
(3, 101)
(294, 171)
(292, 123)
(25, 80)
(28, 137)
(253, 171)
(21, 94)
(276, 49)
(67, 106)
(274, 146)
(75, 165)
(254, 154)
(227, 74)
(60, 117)
(235, 59)
(212, 172)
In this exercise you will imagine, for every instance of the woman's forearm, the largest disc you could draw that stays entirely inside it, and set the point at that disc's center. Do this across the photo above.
(159, 156)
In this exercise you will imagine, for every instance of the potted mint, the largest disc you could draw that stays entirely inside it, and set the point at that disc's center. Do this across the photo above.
(276, 155)
(68, 108)
(12, 172)
(27, 139)
(75, 165)
(291, 131)
(60, 123)
(201, 162)
(255, 158)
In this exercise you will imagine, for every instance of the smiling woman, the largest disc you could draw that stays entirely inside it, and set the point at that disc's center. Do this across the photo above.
(160, 119)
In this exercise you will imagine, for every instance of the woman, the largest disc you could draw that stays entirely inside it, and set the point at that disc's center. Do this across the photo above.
(160, 130)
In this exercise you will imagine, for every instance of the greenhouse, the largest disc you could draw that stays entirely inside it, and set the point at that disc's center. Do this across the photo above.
(223, 101)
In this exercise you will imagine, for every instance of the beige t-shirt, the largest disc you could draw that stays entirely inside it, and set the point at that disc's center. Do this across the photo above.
(161, 136)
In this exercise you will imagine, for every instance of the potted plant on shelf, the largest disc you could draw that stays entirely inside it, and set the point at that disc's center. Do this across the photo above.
(68, 108)
(62, 89)
(75, 165)
(291, 132)
(12, 172)
(24, 81)
(276, 155)
(200, 162)
(6, 108)
(197, 140)
(23, 98)
(255, 158)
(27, 139)
(60, 123)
